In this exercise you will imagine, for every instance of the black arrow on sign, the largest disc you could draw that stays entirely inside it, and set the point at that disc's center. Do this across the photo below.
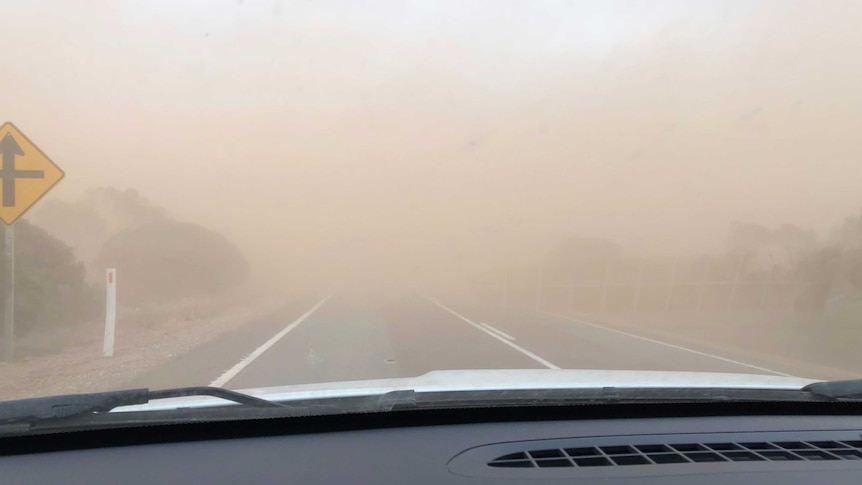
(9, 148)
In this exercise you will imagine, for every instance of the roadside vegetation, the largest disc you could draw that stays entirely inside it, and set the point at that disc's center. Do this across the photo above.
(63, 249)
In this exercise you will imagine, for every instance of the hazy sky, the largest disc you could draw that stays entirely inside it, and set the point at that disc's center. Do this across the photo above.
(417, 133)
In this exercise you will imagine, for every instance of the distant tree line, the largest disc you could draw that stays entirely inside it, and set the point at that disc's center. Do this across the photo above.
(62, 252)
(826, 268)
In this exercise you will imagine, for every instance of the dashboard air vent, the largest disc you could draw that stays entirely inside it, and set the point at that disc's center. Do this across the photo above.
(673, 453)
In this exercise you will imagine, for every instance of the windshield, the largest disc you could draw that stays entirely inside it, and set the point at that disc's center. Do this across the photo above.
(257, 193)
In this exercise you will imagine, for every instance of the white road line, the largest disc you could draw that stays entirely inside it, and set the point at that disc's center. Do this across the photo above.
(498, 331)
(659, 342)
(498, 337)
(233, 371)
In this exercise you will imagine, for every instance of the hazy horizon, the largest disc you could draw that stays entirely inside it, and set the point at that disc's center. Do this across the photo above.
(402, 139)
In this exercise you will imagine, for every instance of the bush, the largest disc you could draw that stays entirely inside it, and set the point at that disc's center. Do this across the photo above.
(166, 261)
(50, 286)
(86, 223)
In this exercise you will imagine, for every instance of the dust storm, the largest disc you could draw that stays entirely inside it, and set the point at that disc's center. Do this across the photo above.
(405, 144)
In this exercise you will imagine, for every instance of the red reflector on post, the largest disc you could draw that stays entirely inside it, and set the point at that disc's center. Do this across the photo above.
(110, 277)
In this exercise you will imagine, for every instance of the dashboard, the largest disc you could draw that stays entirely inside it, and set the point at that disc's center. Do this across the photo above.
(667, 450)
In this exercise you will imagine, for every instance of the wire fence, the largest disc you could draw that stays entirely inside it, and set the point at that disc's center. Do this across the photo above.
(639, 286)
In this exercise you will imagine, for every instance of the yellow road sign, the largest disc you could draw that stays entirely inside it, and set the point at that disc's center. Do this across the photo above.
(26, 174)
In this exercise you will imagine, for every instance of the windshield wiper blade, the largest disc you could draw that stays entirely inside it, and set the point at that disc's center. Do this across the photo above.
(402, 400)
(848, 389)
(52, 407)
(32, 410)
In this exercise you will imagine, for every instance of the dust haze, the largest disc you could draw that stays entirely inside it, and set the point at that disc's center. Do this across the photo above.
(400, 143)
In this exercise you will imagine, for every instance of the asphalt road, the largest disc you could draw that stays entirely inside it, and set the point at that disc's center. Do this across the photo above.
(367, 335)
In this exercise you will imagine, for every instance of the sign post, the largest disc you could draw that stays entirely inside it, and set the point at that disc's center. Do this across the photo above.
(110, 312)
(9, 300)
(26, 174)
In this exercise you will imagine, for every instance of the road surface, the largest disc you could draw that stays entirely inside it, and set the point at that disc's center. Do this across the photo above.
(349, 336)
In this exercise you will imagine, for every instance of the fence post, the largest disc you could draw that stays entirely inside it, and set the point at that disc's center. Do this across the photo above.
(110, 312)
(605, 285)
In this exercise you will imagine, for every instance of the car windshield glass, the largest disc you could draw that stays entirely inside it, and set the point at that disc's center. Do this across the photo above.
(261, 195)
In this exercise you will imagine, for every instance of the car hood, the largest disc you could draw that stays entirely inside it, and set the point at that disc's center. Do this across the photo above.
(487, 380)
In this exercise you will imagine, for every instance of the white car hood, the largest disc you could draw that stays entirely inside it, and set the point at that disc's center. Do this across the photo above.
(482, 380)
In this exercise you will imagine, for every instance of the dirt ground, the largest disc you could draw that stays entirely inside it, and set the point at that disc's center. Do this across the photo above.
(70, 360)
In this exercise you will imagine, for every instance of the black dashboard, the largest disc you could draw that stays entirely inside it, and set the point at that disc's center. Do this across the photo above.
(789, 449)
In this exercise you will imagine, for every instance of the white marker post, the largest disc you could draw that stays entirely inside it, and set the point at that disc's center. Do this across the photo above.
(110, 312)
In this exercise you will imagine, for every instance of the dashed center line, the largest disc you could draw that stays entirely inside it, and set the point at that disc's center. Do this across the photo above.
(497, 336)
(498, 331)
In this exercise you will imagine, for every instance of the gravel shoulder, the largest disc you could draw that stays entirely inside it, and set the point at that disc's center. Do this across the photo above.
(70, 360)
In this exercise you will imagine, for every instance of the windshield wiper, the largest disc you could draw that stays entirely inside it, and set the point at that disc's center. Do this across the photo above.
(817, 392)
(61, 409)
(53, 407)
(848, 389)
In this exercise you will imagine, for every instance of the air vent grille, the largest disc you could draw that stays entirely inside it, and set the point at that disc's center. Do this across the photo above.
(674, 453)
